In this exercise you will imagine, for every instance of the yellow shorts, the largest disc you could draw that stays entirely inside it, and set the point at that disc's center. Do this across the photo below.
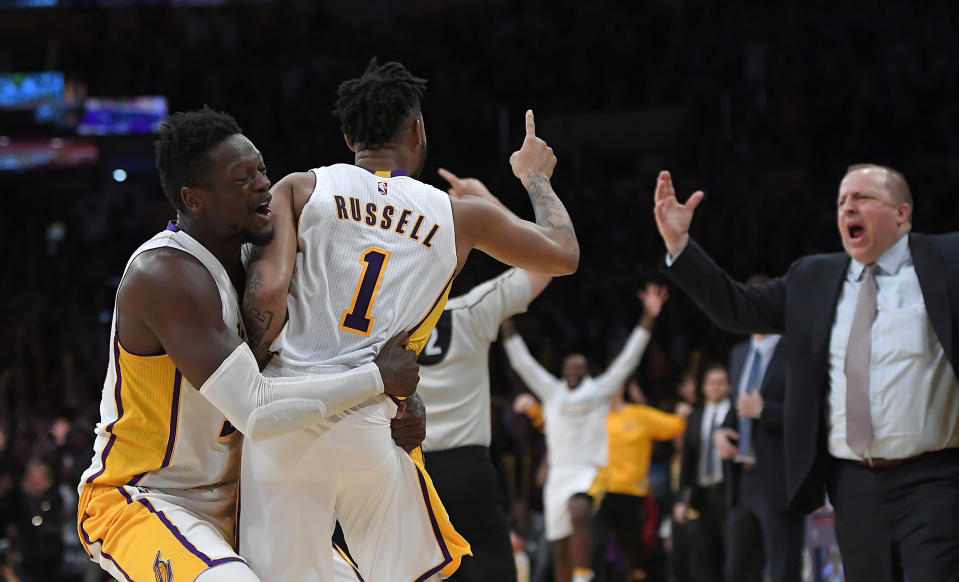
(136, 534)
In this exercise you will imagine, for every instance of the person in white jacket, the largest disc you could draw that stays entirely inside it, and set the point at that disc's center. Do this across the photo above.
(575, 408)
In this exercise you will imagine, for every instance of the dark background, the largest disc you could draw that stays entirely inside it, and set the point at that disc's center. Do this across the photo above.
(762, 104)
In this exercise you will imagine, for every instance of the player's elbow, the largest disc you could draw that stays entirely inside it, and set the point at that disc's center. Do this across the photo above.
(567, 260)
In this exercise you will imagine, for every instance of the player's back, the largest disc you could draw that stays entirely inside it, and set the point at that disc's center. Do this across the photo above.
(378, 253)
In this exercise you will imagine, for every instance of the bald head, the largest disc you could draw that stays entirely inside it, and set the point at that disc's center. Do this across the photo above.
(894, 181)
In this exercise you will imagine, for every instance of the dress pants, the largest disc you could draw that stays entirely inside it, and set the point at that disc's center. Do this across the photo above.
(758, 534)
(899, 524)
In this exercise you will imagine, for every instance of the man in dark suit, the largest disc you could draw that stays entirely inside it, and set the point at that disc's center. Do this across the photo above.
(701, 502)
(759, 523)
(872, 398)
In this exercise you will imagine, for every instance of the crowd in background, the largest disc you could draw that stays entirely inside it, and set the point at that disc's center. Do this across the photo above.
(762, 104)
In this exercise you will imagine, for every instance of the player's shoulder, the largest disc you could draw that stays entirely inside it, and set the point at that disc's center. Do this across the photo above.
(167, 273)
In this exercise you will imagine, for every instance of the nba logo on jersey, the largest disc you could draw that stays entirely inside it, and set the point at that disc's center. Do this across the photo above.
(381, 188)
(162, 569)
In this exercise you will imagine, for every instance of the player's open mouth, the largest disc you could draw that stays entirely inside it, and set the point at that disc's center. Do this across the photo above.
(263, 209)
(856, 232)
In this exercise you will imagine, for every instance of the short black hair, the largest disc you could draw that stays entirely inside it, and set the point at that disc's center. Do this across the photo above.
(182, 152)
(373, 107)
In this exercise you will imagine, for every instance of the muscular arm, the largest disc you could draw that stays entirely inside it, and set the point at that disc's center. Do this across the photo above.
(169, 302)
(547, 246)
(270, 269)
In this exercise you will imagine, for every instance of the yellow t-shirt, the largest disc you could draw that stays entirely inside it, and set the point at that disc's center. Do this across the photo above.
(631, 432)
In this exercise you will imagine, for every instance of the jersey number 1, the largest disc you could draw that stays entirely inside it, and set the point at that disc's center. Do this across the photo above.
(357, 318)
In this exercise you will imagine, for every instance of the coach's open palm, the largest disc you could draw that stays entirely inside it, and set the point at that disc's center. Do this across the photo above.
(534, 157)
(398, 367)
(673, 218)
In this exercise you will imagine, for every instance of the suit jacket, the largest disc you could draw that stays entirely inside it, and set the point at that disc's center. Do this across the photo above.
(767, 435)
(801, 305)
(689, 489)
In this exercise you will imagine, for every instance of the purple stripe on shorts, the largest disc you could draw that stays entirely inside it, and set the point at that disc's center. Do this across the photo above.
(447, 558)
(90, 542)
(116, 398)
(174, 418)
(351, 565)
(179, 536)
(125, 495)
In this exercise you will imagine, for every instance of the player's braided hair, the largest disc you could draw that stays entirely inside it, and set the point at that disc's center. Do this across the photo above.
(182, 152)
(373, 107)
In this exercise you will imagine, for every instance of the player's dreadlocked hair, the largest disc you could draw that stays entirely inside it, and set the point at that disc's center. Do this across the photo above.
(373, 107)
(182, 152)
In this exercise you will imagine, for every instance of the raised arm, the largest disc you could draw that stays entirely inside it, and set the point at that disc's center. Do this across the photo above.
(460, 187)
(537, 379)
(653, 297)
(673, 218)
(270, 269)
(547, 246)
(169, 303)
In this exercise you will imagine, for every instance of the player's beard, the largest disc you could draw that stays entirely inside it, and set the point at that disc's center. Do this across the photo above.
(258, 238)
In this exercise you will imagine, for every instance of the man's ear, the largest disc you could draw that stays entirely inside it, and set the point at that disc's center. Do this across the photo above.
(419, 136)
(192, 199)
(349, 143)
(904, 213)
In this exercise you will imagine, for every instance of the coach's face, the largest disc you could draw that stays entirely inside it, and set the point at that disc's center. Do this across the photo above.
(871, 218)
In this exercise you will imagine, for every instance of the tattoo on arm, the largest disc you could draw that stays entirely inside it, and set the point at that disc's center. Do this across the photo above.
(547, 207)
(256, 321)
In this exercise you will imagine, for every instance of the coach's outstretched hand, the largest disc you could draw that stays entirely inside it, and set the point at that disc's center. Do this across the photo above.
(534, 157)
(398, 367)
(673, 218)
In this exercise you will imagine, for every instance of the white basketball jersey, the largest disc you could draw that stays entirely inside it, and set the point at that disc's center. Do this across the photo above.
(155, 428)
(377, 256)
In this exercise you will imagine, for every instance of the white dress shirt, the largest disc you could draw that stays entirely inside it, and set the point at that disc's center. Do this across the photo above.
(914, 396)
(713, 415)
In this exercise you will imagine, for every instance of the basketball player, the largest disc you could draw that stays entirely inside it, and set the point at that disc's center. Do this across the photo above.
(576, 407)
(159, 499)
(377, 253)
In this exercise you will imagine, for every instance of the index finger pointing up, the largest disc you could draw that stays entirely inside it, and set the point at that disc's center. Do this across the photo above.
(530, 125)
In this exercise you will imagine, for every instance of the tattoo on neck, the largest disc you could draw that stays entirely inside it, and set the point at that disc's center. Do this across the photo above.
(548, 209)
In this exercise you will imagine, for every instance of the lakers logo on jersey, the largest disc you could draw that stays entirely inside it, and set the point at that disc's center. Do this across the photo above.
(162, 569)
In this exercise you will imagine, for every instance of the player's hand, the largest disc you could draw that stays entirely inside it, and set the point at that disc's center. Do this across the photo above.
(534, 157)
(398, 367)
(683, 409)
(723, 439)
(653, 297)
(466, 186)
(679, 512)
(409, 426)
(673, 218)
